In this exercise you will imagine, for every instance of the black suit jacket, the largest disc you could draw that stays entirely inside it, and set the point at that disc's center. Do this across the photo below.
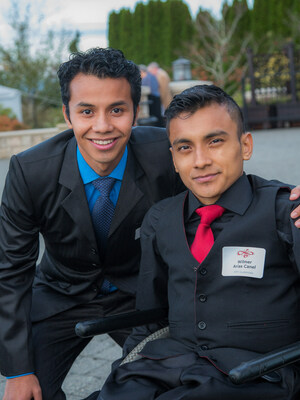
(44, 194)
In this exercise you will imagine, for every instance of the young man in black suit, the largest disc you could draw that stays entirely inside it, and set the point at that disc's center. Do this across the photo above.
(228, 302)
(50, 190)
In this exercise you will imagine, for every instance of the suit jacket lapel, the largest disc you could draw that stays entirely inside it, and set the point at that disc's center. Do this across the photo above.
(130, 193)
(75, 203)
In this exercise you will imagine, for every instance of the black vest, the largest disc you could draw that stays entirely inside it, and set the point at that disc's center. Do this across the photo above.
(208, 310)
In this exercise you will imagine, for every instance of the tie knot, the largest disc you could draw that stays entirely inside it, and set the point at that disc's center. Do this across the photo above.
(209, 213)
(104, 185)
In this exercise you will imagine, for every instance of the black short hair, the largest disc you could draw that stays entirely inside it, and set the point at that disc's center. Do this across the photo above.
(200, 96)
(102, 63)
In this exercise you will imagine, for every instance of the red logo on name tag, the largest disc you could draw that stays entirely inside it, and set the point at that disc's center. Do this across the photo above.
(245, 253)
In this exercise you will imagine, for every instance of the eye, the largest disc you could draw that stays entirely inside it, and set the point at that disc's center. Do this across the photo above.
(86, 112)
(215, 141)
(117, 110)
(184, 147)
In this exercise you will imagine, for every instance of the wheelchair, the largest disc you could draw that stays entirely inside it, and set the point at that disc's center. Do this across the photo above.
(246, 371)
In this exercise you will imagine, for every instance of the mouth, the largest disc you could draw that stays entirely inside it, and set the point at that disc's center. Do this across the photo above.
(205, 178)
(104, 144)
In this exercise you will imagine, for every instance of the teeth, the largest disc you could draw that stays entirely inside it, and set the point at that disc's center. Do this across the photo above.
(103, 142)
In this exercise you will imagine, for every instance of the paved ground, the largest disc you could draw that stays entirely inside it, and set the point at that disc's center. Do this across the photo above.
(276, 155)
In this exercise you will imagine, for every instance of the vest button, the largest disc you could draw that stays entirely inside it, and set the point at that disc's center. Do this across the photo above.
(201, 325)
(203, 271)
(93, 251)
(204, 347)
(202, 298)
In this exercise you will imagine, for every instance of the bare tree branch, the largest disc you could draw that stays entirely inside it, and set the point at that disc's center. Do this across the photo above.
(213, 48)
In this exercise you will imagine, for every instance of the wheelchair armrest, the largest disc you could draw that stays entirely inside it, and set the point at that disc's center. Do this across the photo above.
(265, 363)
(119, 321)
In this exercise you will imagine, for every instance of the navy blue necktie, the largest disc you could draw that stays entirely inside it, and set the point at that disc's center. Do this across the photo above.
(103, 210)
(102, 215)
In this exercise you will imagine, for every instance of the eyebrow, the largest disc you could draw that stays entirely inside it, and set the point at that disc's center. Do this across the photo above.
(180, 141)
(117, 103)
(216, 133)
(83, 104)
(208, 136)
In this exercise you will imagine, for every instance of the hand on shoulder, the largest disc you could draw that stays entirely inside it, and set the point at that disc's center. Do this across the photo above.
(295, 194)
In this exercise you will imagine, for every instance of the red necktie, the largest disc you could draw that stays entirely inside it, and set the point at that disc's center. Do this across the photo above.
(204, 238)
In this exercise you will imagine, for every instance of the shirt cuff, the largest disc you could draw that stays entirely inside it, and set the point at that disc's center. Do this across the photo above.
(18, 376)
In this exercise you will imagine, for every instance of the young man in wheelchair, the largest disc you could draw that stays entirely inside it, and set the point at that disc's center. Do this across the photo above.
(230, 300)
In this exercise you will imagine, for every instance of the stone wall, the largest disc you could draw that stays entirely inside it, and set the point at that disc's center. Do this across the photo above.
(14, 142)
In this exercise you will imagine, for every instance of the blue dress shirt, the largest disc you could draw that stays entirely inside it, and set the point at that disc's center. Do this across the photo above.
(88, 175)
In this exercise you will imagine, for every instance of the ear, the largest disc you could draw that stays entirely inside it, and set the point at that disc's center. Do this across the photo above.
(247, 145)
(136, 116)
(171, 150)
(68, 122)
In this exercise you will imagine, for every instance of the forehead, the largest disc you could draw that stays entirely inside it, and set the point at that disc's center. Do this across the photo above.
(83, 86)
(206, 120)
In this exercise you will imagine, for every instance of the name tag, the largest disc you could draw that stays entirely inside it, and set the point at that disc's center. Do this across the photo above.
(137, 234)
(243, 261)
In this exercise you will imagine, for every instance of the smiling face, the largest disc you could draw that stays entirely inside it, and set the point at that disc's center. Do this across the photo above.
(101, 116)
(207, 152)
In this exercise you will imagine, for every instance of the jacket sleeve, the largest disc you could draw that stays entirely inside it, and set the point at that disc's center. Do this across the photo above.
(152, 291)
(19, 246)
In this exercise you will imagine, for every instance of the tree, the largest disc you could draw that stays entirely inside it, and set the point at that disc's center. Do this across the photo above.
(114, 32)
(126, 28)
(155, 32)
(180, 28)
(140, 36)
(154, 27)
(33, 69)
(73, 46)
(274, 22)
(213, 48)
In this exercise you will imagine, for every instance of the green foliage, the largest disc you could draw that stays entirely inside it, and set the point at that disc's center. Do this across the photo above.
(273, 22)
(114, 31)
(154, 31)
(73, 46)
(218, 46)
(163, 30)
(140, 33)
(180, 29)
(154, 27)
(127, 32)
(7, 111)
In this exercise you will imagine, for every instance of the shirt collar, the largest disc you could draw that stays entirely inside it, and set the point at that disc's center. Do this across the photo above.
(236, 199)
(88, 174)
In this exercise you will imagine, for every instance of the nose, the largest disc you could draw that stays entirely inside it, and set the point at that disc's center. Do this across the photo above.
(201, 158)
(102, 124)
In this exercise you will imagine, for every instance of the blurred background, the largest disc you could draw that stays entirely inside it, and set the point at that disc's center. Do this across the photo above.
(246, 47)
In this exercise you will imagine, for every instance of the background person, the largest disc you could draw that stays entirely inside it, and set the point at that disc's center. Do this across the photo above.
(163, 80)
(151, 81)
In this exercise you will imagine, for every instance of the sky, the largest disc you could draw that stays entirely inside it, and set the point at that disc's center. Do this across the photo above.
(90, 17)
